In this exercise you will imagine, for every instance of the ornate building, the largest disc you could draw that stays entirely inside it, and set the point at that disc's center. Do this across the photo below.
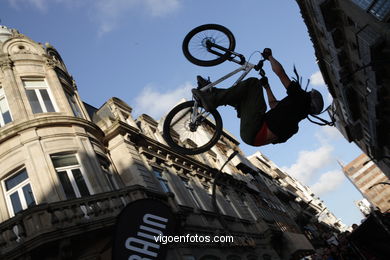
(308, 211)
(352, 46)
(68, 169)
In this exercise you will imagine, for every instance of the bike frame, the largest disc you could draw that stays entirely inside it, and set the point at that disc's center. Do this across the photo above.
(245, 68)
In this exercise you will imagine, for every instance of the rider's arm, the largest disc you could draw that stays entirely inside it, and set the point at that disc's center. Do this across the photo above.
(279, 71)
(272, 101)
(277, 67)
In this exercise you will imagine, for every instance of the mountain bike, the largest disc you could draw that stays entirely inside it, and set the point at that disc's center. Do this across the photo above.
(188, 128)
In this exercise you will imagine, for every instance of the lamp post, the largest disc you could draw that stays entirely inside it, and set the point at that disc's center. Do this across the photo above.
(375, 214)
(382, 182)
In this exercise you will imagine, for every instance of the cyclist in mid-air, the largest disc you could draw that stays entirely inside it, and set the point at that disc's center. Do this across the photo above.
(258, 126)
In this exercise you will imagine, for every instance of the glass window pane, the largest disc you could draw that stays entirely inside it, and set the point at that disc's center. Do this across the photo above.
(66, 185)
(64, 160)
(73, 105)
(164, 185)
(363, 3)
(110, 179)
(46, 99)
(80, 182)
(28, 195)
(34, 83)
(381, 9)
(16, 179)
(5, 111)
(15, 200)
(34, 102)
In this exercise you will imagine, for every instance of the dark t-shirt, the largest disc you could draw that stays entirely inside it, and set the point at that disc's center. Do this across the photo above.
(283, 119)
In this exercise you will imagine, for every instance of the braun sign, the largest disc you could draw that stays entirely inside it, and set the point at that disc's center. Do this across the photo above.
(137, 226)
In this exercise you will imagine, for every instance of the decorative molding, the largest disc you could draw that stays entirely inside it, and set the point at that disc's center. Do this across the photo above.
(6, 64)
(51, 63)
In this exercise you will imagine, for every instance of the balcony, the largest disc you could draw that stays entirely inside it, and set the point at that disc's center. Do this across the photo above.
(46, 223)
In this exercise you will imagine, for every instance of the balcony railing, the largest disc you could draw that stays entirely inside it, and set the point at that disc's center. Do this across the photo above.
(49, 222)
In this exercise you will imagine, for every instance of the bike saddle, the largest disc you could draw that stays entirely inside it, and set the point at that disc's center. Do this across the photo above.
(202, 82)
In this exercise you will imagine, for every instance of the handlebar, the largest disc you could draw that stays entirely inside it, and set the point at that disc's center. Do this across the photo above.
(259, 67)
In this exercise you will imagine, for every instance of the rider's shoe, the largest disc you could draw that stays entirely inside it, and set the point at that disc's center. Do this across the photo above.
(205, 98)
(202, 82)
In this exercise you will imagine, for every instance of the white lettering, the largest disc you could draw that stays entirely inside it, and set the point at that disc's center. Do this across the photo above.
(147, 219)
(145, 246)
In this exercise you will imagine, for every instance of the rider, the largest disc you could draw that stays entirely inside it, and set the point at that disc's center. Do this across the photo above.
(258, 126)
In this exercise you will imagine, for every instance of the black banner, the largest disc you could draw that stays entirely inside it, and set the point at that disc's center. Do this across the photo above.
(138, 226)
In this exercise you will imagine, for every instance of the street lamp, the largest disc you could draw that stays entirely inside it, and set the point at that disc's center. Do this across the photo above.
(382, 182)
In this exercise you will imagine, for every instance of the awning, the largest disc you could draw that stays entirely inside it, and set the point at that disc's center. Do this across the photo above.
(294, 243)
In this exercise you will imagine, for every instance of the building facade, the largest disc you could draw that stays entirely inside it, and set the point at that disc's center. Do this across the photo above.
(352, 47)
(68, 169)
(372, 183)
(308, 210)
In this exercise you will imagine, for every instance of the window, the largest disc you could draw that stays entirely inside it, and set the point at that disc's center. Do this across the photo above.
(191, 192)
(18, 192)
(220, 208)
(364, 4)
(163, 182)
(39, 96)
(70, 175)
(105, 166)
(73, 104)
(246, 205)
(228, 200)
(5, 115)
(378, 8)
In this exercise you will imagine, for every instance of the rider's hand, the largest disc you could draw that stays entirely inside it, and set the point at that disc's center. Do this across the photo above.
(264, 82)
(266, 53)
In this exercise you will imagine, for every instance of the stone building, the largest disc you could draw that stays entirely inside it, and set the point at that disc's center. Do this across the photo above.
(372, 183)
(352, 46)
(68, 169)
(308, 211)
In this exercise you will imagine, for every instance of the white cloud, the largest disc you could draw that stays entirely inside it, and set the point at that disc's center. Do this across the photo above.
(107, 13)
(331, 132)
(328, 182)
(328, 134)
(154, 103)
(310, 162)
(316, 79)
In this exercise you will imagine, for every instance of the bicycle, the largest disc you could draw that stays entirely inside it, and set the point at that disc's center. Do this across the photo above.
(188, 128)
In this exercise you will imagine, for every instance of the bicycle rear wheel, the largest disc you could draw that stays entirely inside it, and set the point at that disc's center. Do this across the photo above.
(191, 138)
(196, 41)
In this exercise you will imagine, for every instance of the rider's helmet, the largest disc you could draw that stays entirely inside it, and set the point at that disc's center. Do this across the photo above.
(317, 102)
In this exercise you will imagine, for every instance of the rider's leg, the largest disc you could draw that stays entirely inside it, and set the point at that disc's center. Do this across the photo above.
(247, 97)
(215, 97)
(252, 108)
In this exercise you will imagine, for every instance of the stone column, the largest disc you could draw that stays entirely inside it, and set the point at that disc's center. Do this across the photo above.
(57, 89)
(11, 90)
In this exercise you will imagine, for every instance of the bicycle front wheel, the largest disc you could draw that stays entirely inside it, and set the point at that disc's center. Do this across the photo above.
(196, 41)
(192, 136)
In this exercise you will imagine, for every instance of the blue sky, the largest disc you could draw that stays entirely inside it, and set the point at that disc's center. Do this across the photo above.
(131, 49)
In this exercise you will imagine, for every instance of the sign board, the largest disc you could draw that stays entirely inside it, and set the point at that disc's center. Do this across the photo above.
(137, 227)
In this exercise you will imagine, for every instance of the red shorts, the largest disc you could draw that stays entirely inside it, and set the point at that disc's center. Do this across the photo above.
(261, 136)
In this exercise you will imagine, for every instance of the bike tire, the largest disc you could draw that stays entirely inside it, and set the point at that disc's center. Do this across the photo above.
(195, 50)
(175, 130)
